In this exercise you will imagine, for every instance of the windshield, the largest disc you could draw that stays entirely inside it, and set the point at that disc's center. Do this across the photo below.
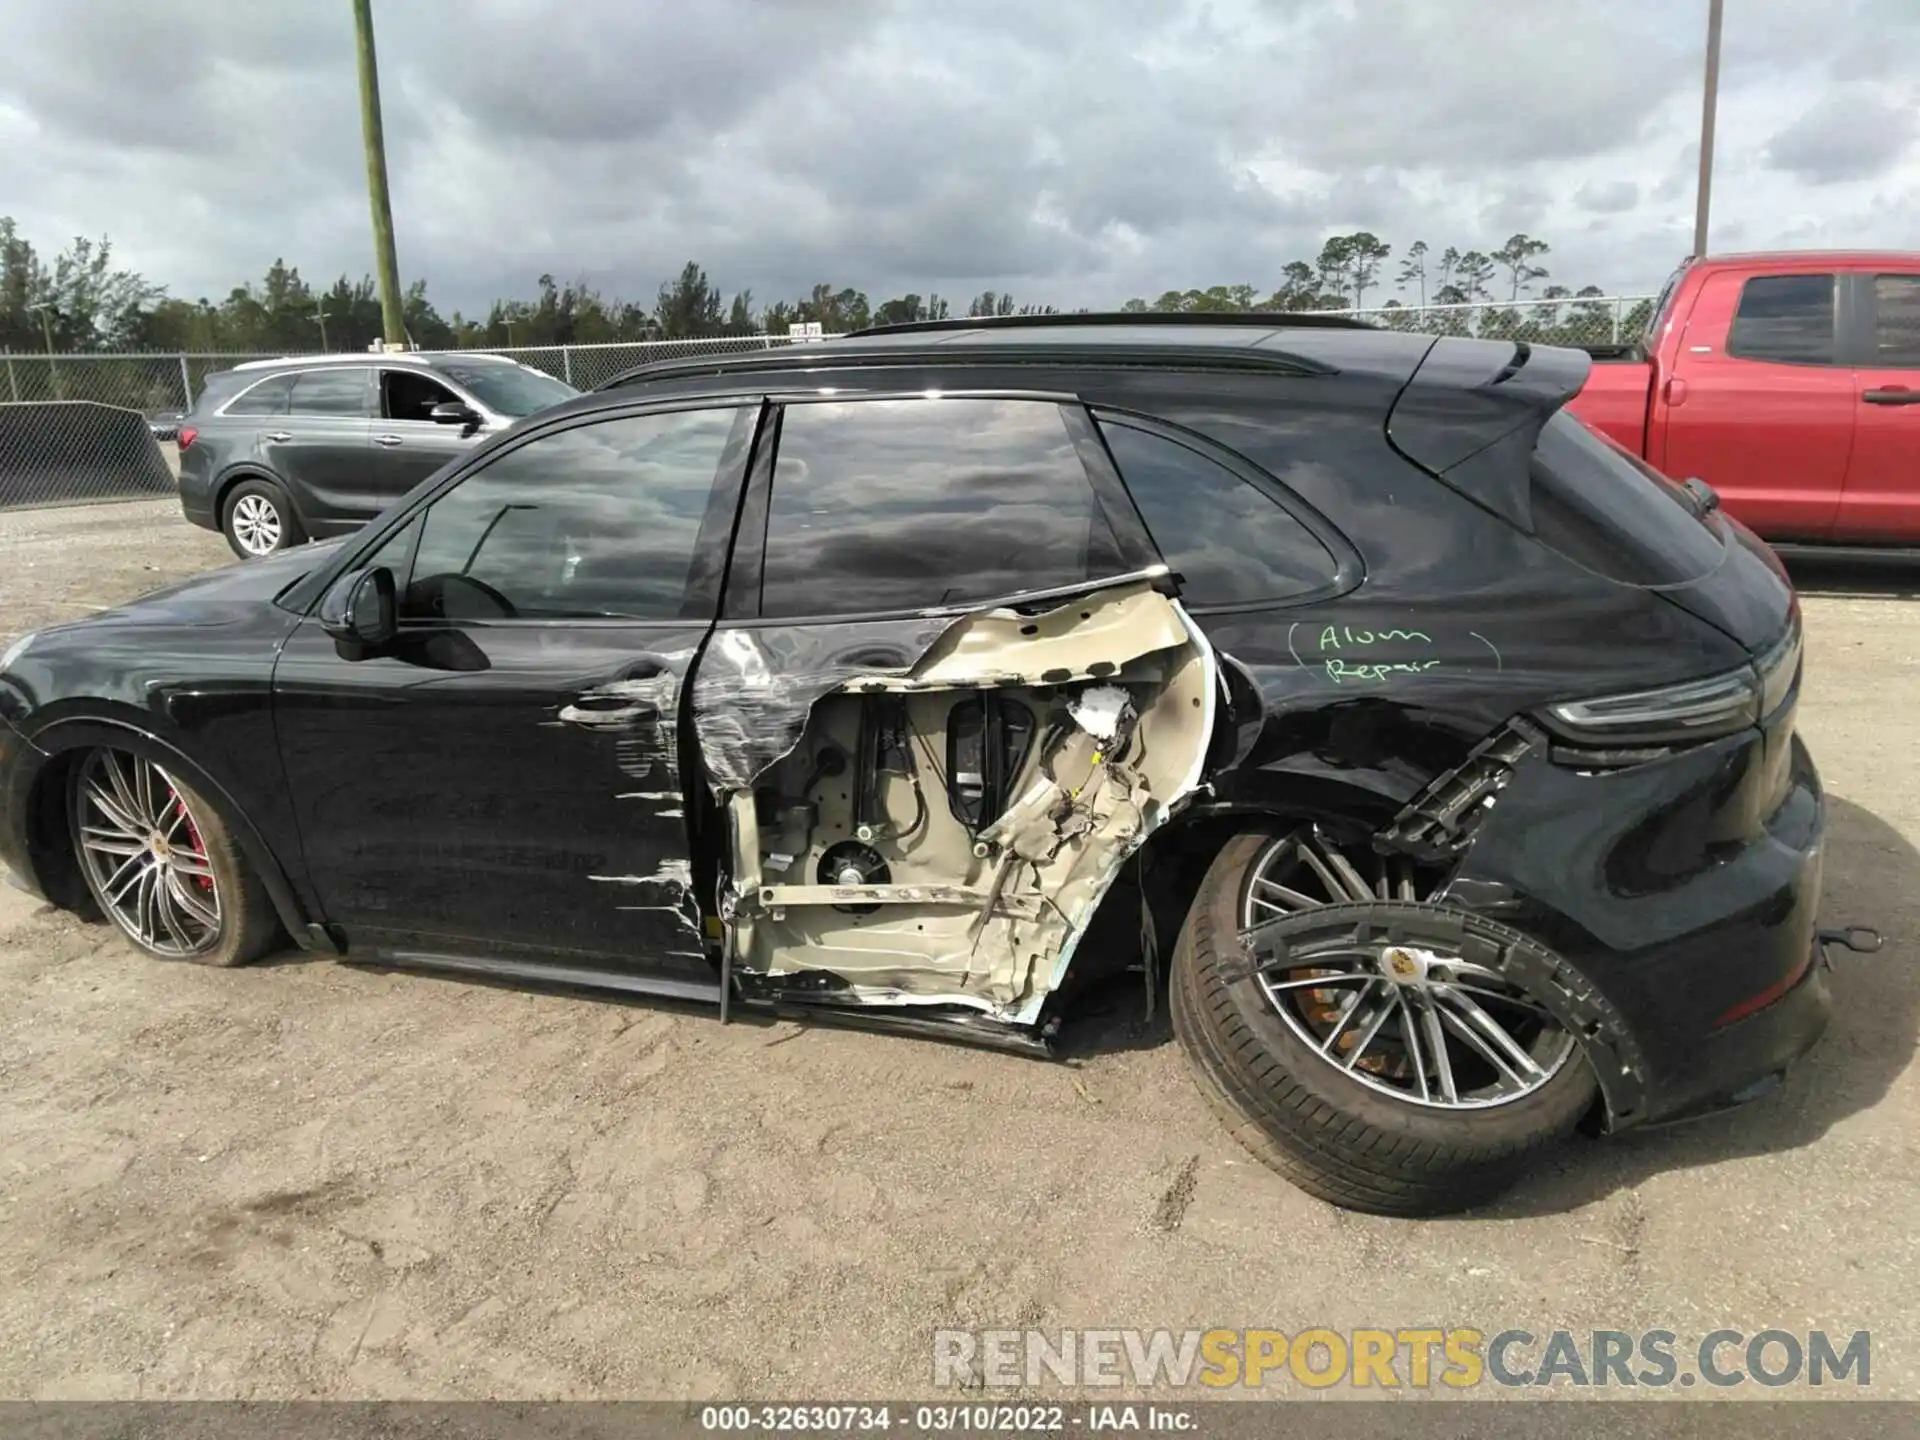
(508, 389)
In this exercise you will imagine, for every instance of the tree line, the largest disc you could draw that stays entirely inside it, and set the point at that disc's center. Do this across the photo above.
(81, 300)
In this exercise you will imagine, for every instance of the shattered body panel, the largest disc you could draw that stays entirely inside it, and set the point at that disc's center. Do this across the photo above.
(869, 868)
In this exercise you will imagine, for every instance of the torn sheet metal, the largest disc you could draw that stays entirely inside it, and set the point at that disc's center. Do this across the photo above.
(1086, 637)
(773, 897)
(1154, 816)
(1120, 691)
(756, 687)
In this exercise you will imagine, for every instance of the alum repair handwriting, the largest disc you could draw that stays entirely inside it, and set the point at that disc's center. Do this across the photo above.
(1357, 655)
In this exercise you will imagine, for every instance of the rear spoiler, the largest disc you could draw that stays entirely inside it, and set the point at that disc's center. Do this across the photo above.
(1473, 409)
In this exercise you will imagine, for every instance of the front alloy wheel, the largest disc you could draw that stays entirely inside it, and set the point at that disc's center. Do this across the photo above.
(161, 865)
(145, 858)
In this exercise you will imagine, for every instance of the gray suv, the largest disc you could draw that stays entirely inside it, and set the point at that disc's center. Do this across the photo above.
(276, 452)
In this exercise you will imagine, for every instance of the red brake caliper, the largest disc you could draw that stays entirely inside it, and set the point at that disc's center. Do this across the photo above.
(205, 882)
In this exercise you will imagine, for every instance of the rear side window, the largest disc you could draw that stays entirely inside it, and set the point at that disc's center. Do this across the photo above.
(269, 397)
(1896, 320)
(910, 504)
(1608, 510)
(1229, 542)
(1788, 318)
(331, 392)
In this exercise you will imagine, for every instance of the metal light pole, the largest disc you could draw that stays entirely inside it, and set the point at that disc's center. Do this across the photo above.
(46, 329)
(385, 265)
(1709, 99)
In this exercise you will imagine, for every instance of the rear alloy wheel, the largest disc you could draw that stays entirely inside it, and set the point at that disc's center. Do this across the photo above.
(1370, 1044)
(258, 521)
(1424, 1025)
(161, 865)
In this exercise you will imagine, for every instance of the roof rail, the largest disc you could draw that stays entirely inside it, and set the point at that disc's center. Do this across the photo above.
(372, 357)
(1271, 319)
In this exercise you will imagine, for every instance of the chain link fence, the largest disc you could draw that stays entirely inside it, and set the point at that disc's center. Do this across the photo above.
(1582, 321)
(64, 452)
(587, 366)
(166, 384)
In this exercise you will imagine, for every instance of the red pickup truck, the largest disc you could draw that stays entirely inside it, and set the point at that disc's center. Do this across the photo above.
(1790, 383)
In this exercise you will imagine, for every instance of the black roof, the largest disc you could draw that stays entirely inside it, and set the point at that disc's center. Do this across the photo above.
(1242, 319)
(1285, 343)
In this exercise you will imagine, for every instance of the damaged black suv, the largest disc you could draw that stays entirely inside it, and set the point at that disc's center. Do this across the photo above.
(1433, 757)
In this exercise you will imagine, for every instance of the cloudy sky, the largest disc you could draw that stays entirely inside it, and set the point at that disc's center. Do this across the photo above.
(1071, 151)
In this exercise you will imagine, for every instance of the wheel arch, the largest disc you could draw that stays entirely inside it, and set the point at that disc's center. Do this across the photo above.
(50, 847)
(1165, 875)
(241, 472)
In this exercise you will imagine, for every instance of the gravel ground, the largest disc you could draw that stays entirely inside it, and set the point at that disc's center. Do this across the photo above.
(303, 1179)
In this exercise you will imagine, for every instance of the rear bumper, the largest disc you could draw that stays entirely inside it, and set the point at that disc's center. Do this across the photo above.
(196, 493)
(1749, 1058)
(198, 509)
(1687, 891)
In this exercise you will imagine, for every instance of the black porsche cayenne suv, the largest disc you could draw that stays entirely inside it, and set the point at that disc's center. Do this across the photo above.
(1433, 757)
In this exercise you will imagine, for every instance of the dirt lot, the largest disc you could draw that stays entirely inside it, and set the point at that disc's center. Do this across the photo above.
(304, 1179)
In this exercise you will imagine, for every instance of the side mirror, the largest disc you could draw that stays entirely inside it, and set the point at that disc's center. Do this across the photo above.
(453, 412)
(361, 611)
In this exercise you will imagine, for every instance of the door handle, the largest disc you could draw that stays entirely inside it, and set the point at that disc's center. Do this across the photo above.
(609, 710)
(617, 704)
(279, 437)
(1892, 395)
(387, 440)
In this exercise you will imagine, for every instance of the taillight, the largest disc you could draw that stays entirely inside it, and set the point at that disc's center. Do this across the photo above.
(1697, 710)
(1693, 711)
(186, 436)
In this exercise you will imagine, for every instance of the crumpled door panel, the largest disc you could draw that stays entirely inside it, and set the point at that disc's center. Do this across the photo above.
(929, 810)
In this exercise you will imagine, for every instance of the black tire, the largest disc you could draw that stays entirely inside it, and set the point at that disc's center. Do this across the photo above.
(248, 925)
(244, 520)
(1334, 1137)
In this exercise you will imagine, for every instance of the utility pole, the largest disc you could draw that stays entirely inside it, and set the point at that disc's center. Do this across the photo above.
(1709, 99)
(320, 309)
(385, 265)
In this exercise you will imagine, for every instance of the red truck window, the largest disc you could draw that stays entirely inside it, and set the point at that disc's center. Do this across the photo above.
(1606, 509)
(1785, 318)
(1896, 320)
